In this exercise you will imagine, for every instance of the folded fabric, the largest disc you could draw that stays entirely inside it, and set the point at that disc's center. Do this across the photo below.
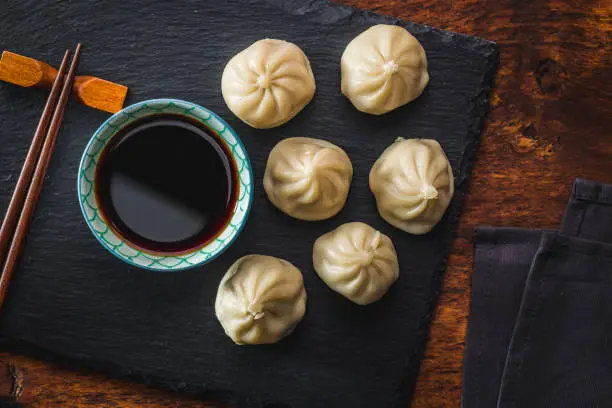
(503, 266)
(560, 354)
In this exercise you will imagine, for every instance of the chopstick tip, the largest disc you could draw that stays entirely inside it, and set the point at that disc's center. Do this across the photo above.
(77, 53)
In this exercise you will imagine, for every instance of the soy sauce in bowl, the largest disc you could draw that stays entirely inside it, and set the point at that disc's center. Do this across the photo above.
(167, 184)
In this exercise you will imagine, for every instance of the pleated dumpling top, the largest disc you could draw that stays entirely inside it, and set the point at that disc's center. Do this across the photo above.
(308, 179)
(268, 83)
(356, 261)
(383, 68)
(260, 299)
(413, 184)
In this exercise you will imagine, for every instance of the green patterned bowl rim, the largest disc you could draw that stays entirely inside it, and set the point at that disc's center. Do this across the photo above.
(120, 247)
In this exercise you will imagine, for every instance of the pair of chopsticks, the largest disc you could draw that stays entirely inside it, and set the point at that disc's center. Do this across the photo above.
(29, 185)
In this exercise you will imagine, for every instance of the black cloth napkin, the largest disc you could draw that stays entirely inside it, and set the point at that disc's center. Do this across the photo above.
(540, 326)
(560, 354)
(70, 296)
(502, 260)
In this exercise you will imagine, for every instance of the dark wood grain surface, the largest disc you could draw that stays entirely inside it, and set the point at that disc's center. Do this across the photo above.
(550, 121)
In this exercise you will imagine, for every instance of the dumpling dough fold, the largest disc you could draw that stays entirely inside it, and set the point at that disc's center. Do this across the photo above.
(383, 68)
(268, 83)
(260, 299)
(356, 261)
(413, 184)
(308, 179)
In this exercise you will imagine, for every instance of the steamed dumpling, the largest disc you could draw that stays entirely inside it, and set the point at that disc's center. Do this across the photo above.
(260, 299)
(383, 68)
(356, 261)
(413, 184)
(268, 83)
(307, 178)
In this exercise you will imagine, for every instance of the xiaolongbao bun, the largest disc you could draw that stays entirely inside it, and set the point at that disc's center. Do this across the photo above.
(307, 178)
(383, 68)
(268, 83)
(413, 184)
(260, 299)
(356, 261)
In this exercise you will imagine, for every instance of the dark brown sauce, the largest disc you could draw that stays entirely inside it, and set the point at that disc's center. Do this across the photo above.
(166, 184)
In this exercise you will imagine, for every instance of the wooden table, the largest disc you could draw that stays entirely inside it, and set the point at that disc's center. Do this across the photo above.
(550, 121)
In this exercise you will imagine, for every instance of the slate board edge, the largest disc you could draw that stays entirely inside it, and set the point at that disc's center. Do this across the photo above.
(327, 12)
(407, 386)
(77, 361)
(323, 12)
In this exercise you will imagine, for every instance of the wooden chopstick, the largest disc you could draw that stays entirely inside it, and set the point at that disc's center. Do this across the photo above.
(35, 187)
(25, 177)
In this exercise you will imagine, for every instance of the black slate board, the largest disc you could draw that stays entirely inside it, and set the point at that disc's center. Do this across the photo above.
(73, 298)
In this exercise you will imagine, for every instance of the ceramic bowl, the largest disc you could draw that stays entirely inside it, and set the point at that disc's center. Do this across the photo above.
(118, 245)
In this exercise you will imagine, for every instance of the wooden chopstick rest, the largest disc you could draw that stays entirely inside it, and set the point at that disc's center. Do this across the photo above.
(90, 91)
